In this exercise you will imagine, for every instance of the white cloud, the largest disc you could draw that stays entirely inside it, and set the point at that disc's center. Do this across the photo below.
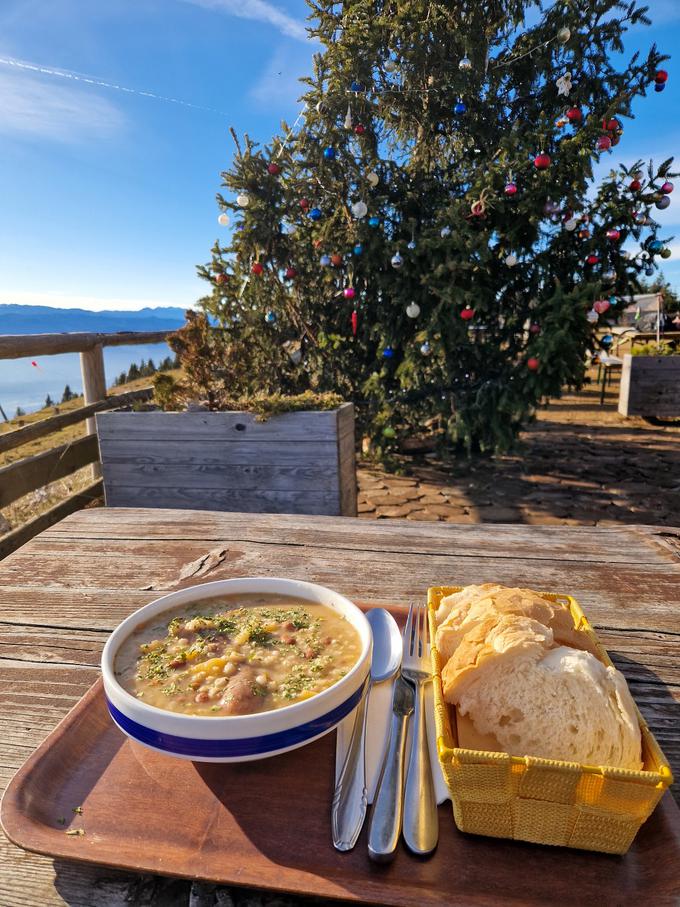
(260, 11)
(31, 107)
(92, 303)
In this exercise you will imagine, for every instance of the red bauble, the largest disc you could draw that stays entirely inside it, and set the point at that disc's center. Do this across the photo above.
(336, 260)
(616, 138)
(304, 203)
(290, 273)
(220, 279)
(613, 234)
(667, 188)
(604, 143)
(635, 186)
(274, 168)
(574, 115)
(601, 306)
(584, 234)
(355, 322)
(612, 125)
(256, 268)
(349, 292)
(661, 76)
(542, 161)
(359, 129)
(467, 313)
(592, 259)
(532, 363)
(510, 189)
(535, 328)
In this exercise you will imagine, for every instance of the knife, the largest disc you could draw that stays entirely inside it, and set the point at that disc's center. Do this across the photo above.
(385, 827)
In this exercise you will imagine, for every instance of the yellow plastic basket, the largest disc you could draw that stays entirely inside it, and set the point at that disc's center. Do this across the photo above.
(544, 800)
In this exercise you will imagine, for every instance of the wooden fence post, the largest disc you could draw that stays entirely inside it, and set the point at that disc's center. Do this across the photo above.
(94, 389)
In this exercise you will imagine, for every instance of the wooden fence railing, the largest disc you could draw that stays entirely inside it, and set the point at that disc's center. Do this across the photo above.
(30, 473)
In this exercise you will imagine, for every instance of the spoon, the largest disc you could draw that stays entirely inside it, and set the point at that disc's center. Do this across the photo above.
(350, 800)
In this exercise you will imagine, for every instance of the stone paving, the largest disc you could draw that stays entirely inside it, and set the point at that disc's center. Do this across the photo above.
(578, 463)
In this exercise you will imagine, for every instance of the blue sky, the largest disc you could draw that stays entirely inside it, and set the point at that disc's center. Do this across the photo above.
(107, 196)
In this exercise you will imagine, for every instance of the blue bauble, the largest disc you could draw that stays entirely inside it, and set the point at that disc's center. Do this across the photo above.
(425, 349)
(329, 154)
(358, 249)
(649, 272)
(373, 221)
(356, 87)
(612, 300)
(270, 317)
(315, 214)
(388, 352)
(659, 86)
(411, 245)
(655, 245)
(325, 261)
(459, 108)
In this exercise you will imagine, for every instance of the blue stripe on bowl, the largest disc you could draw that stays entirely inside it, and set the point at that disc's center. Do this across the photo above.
(246, 746)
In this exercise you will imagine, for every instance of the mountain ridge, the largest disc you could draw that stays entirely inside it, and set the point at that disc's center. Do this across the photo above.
(38, 319)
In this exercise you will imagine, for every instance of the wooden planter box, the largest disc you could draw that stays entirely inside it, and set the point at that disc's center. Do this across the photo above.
(293, 463)
(650, 386)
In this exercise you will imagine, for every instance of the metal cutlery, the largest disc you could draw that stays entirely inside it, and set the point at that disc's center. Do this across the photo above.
(420, 820)
(350, 798)
(385, 825)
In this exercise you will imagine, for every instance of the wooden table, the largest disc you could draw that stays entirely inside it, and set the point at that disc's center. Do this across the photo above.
(65, 590)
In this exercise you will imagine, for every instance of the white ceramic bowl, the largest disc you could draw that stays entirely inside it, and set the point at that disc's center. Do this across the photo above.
(237, 738)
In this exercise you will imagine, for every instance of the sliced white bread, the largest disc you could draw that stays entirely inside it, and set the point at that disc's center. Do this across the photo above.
(540, 700)
(474, 605)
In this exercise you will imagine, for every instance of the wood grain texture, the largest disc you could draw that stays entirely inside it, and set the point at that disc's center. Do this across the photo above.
(26, 475)
(16, 346)
(66, 589)
(291, 463)
(650, 386)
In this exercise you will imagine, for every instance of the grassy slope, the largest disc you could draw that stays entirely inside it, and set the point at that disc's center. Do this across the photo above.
(37, 502)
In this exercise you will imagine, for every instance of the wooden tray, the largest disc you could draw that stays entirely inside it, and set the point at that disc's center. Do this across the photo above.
(267, 824)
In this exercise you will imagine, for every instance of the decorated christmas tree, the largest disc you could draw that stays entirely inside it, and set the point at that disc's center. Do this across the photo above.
(426, 239)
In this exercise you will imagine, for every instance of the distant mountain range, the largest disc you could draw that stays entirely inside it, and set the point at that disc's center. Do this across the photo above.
(42, 319)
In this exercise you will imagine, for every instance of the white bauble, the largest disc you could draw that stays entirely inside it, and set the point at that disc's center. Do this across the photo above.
(243, 200)
(373, 178)
(360, 209)
(413, 310)
(511, 260)
(223, 219)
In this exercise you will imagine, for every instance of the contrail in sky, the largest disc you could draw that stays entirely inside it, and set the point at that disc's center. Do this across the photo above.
(78, 77)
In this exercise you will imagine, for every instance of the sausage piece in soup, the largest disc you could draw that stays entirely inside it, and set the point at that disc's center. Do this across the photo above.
(237, 655)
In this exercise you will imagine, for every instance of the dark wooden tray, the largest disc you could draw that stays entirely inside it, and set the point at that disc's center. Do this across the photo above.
(267, 825)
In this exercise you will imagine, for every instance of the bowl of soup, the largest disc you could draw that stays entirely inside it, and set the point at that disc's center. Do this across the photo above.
(238, 669)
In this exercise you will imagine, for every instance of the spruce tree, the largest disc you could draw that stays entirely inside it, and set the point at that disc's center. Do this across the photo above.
(48, 401)
(425, 240)
(67, 394)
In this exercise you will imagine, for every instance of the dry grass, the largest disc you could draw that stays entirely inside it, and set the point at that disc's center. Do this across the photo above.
(37, 502)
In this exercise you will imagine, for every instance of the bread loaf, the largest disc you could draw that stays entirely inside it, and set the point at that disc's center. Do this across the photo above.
(517, 684)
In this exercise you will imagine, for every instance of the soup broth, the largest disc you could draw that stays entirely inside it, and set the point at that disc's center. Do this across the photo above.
(237, 655)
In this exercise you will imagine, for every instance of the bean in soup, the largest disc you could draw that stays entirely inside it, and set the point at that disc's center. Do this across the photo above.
(237, 655)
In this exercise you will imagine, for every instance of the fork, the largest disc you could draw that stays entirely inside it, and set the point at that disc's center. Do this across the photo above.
(421, 822)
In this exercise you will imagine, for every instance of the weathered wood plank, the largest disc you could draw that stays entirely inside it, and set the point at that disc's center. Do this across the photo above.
(347, 471)
(11, 439)
(306, 427)
(607, 544)
(239, 453)
(225, 477)
(26, 475)
(16, 346)
(619, 595)
(214, 498)
(650, 386)
(20, 536)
